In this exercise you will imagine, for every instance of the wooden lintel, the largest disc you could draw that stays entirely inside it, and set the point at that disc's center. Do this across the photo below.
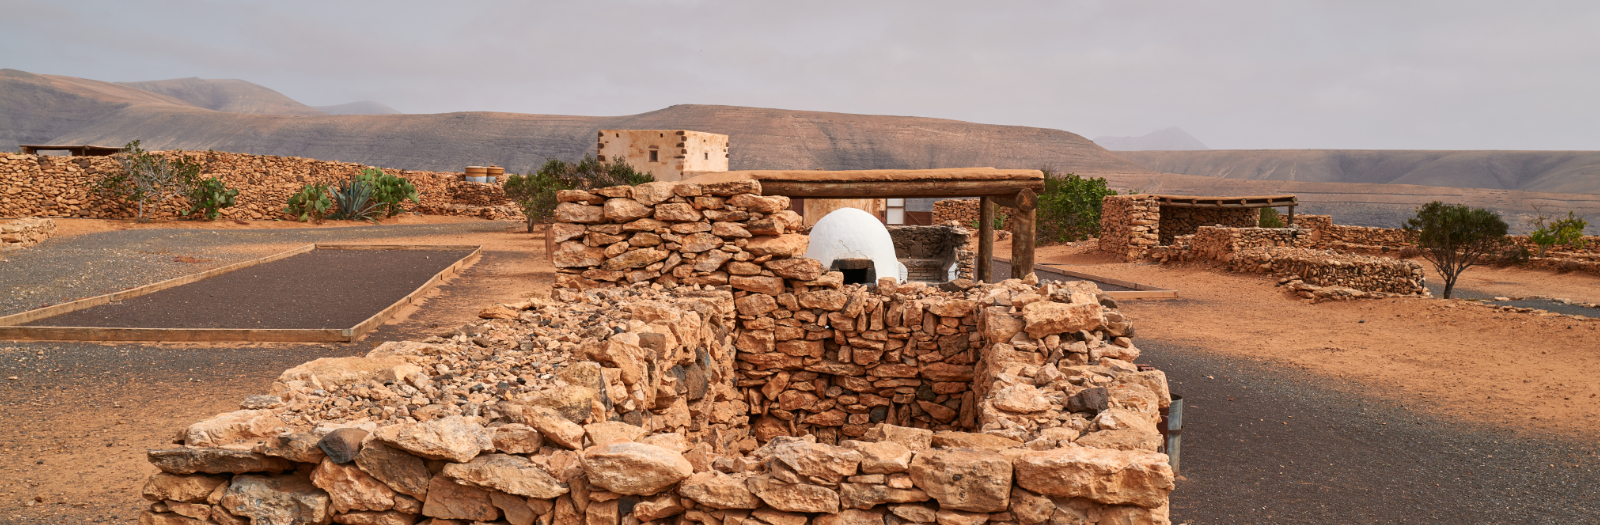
(881, 189)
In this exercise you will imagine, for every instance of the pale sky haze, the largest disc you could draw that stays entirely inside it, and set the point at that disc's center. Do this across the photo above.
(1235, 74)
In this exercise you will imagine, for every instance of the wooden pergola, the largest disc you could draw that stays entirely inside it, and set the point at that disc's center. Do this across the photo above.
(1015, 189)
(76, 150)
(1263, 201)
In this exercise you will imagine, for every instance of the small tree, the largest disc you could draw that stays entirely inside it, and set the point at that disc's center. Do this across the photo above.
(535, 192)
(1559, 232)
(1455, 237)
(1069, 208)
(149, 179)
(1269, 219)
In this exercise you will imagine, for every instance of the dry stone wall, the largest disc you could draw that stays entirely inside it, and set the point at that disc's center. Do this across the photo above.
(781, 399)
(1217, 243)
(25, 233)
(1180, 220)
(928, 251)
(51, 186)
(1130, 225)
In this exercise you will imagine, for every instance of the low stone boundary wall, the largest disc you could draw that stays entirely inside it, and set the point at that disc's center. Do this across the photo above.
(25, 233)
(52, 186)
(1211, 242)
(1178, 220)
(1375, 276)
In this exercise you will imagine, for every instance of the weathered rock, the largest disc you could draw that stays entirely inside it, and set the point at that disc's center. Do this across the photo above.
(342, 445)
(967, 480)
(514, 508)
(555, 427)
(830, 300)
(450, 500)
(866, 495)
(634, 468)
(1112, 477)
(188, 489)
(389, 517)
(720, 491)
(636, 259)
(608, 432)
(956, 517)
(947, 372)
(779, 247)
(517, 438)
(914, 439)
(733, 187)
(729, 230)
(1046, 317)
(795, 497)
(573, 254)
(914, 513)
(453, 438)
(1124, 439)
(232, 427)
(602, 513)
(760, 204)
(757, 284)
(215, 461)
(1020, 398)
(349, 488)
(1030, 508)
(658, 507)
(798, 268)
(579, 213)
(755, 305)
(507, 473)
(950, 307)
(276, 500)
(166, 518)
(774, 517)
(403, 472)
(882, 457)
(625, 210)
(950, 439)
(300, 447)
(562, 231)
(999, 325)
(850, 517)
(677, 212)
(653, 193)
(824, 462)
(1122, 419)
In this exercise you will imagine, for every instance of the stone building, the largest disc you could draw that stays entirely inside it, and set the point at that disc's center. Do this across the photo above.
(666, 154)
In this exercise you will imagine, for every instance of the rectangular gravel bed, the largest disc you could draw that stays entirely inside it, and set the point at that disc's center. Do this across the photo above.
(323, 289)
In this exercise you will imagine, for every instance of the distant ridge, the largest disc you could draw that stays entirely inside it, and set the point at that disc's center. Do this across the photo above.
(1170, 139)
(365, 107)
(1544, 171)
(226, 95)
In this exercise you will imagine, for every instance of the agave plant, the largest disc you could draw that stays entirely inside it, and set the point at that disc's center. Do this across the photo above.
(355, 202)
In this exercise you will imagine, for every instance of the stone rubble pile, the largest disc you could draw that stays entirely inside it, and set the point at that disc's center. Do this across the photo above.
(25, 232)
(52, 186)
(780, 398)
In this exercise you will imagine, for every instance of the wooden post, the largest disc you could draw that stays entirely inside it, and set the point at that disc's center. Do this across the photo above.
(985, 270)
(1291, 216)
(1023, 229)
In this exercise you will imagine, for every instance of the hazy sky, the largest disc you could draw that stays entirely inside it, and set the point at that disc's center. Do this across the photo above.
(1270, 74)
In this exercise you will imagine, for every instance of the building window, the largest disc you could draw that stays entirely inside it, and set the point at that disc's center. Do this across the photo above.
(708, 155)
(653, 157)
(896, 213)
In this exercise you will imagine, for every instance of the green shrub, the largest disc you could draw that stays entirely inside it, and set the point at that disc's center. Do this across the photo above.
(389, 190)
(1269, 218)
(311, 203)
(1455, 237)
(149, 179)
(535, 192)
(353, 201)
(1069, 208)
(210, 196)
(1560, 232)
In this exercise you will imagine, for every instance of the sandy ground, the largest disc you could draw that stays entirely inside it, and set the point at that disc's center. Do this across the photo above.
(76, 420)
(1522, 372)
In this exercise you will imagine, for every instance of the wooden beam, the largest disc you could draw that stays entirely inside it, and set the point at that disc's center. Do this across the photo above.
(884, 189)
(1023, 231)
(985, 270)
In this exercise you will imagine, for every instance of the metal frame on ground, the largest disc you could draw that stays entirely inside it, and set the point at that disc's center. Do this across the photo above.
(10, 329)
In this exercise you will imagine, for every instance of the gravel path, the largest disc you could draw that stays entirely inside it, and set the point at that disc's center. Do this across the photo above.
(1268, 444)
(61, 270)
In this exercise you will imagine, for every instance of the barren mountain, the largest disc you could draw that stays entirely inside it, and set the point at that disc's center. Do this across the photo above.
(365, 107)
(226, 95)
(1170, 139)
(1548, 171)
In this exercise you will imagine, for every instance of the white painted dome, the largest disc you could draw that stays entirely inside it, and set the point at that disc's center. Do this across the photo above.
(850, 233)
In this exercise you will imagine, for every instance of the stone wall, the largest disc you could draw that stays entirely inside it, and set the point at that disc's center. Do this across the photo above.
(1374, 277)
(928, 251)
(25, 233)
(1181, 220)
(1217, 243)
(1009, 403)
(965, 212)
(51, 186)
(1129, 225)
